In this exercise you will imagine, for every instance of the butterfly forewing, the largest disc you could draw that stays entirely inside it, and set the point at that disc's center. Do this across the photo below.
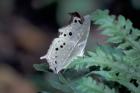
(78, 49)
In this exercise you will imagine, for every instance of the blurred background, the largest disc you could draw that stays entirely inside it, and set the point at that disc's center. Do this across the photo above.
(27, 28)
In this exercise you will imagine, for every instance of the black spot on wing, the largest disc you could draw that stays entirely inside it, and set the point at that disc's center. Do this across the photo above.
(55, 62)
(70, 33)
(61, 46)
(64, 43)
(55, 68)
(56, 49)
(64, 34)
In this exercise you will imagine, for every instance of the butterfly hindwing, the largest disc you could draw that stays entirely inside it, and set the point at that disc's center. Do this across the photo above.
(60, 51)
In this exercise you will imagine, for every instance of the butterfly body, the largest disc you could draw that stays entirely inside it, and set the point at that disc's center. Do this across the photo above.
(70, 44)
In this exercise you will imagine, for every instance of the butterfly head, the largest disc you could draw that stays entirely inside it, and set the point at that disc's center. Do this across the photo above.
(76, 17)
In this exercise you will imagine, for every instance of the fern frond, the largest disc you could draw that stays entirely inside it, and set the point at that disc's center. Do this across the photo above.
(41, 67)
(88, 85)
(120, 71)
(121, 32)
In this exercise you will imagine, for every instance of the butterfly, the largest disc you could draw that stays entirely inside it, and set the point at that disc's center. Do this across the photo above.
(70, 43)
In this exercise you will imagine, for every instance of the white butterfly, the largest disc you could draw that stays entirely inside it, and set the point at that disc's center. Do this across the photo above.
(70, 43)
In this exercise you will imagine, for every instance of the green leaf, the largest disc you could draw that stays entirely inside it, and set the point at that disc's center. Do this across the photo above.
(41, 67)
(88, 85)
(121, 21)
(121, 70)
(118, 29)
(117, 39)
(105, 74)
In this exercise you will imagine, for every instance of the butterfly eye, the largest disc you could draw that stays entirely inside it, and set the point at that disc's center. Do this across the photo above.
(75, 21)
